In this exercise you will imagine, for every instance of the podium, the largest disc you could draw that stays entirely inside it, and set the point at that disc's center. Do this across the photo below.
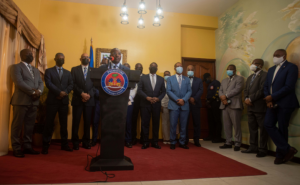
(113, 112)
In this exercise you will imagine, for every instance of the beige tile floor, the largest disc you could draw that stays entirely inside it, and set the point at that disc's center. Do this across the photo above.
(285, 174)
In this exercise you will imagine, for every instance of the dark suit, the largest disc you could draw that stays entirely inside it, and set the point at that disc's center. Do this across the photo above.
(145, 90)
(197, 91)
(135, 114)
(283, 94)
(257, 112)
(55, 84)
(24, 108)
(82, 86)
(120, 67)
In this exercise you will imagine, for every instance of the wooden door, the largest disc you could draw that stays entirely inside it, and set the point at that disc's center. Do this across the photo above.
(202, 66)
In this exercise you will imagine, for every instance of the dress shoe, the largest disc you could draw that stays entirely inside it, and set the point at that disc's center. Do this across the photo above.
(30, 151)
(225, 146)
(292, 151)
(207, 139)
(155, 145)
(93, 143)
(145, 145)
(172, 147)
(88, 146)
(279, 161)
(66, 148)
(217, 141)
(248, 151)
(197, 144)
(261, 154)
(18, 153)
(75, 146)
(183, 146)
(237, 148)
(45, 150)
(128, 145)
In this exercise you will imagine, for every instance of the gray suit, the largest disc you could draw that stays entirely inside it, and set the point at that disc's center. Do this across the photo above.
(24, 108)
(257, 112)
(232, 113)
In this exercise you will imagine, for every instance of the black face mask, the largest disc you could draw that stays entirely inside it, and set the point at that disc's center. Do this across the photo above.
(85, 61)
(139, 69)
(29, 59)
(60, 62)
(208, 81)
(153, 69)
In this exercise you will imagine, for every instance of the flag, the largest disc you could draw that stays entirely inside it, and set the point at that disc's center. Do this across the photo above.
(91, 56)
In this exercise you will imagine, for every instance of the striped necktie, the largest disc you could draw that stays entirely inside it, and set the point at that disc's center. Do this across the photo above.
(252, 79)
(85, 73)
(30, 69)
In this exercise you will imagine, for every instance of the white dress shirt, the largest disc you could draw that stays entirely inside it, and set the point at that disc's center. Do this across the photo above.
(132, 95)
(150, 75)
(113, 65)
(87, 68)
(177, 76)
(275, 73)
(191, 81)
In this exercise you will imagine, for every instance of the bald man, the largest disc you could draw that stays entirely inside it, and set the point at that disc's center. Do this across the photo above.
(82, 101)
(115, 64)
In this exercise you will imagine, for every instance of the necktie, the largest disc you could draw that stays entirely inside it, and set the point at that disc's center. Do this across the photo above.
(179, 81)
(85, 73)
(252, 79)
(30, 69)
(153, 82)
(60, 73)
(115, 66)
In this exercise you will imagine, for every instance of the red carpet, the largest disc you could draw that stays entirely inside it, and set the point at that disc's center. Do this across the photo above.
(149, 165)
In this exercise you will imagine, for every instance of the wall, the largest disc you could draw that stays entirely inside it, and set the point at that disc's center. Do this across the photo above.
(255, 29)
(31, 8)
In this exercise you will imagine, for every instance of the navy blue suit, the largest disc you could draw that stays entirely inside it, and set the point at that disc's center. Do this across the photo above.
(197, 91)
(283, 94)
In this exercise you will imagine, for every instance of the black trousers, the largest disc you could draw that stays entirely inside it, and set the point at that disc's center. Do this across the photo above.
(87, 115)
(214, 120)
(147, 113)
(195, 111)
(52, 110)
(135, 115)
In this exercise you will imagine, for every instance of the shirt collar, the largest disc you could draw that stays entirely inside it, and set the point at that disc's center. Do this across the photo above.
(281, 63)
(152, 74)
(118, 65)
(26, 64)
(178, 75)
(257, 72)
(84, 66)
(57, 68)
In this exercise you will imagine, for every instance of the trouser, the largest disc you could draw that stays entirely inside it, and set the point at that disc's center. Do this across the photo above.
(87, 114)
(128, 136)
(26, 115)
(52, 110)
(147, 113)
(279, 135)
(214, 120)
(255, 122)
(96, 121)
(165, 116)
(135, 115)
(195, 111)
(182, 115)
(232, 117)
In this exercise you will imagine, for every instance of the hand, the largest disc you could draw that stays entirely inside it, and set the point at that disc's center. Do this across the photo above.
(270, 104)
(180, 102)
(37, 92)
(150, 99)
(225, 102)
(268, 98)
(62, 94)
(248, 102)
(162, 110)
(85, 97)
(192, 100)
(223, 97)
(155, 99)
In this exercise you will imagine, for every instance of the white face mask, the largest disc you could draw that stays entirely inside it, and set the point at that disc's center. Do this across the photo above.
(253, 67)
(278, 60)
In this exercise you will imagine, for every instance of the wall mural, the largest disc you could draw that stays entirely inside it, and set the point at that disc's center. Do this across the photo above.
(255, 29)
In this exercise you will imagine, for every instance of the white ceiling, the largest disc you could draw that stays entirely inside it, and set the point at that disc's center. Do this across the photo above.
(199, 7)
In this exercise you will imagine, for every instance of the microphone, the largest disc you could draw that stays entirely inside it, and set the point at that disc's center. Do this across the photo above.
(110, 58)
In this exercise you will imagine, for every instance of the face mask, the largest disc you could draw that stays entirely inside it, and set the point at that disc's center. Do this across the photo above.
(278, 60)
(60, 62)
(166, 77)
(139, 69)
(179, 70)
(190, 73)
(229, 72)
(29, 59)
(85, 61)
(153, 69)
(253, 67)
(208, 81)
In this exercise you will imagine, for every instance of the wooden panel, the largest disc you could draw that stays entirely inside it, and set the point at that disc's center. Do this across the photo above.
(202, 66)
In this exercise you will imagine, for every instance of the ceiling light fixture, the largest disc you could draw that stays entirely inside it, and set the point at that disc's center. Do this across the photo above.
(124, 9)
(156, 21)
(159, 11)
(142, 7)
(141, 23)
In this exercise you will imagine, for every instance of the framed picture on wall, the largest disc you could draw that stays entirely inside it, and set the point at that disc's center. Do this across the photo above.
(105, 52)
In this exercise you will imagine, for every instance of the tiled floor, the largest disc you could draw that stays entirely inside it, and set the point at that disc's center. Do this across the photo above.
(285, 174)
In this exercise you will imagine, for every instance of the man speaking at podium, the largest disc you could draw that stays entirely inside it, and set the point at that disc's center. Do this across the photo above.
(116, 58)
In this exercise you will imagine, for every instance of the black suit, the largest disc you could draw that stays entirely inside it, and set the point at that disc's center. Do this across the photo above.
(145, 90)
(82, 86)
(54, 105)
(120, 66)
(135, 114)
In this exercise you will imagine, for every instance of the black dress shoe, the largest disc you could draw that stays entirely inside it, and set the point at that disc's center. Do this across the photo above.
(207, 139)
(93, 143)
(30, 151)
(45, 150)
(217, 141)
(86, 146)
(145, 145)
(66, 148)
(183, 146)
(237, 148)
(18, 153)
(197, 144)
(172, 147)
(292, 151)
(75, 146)
(128, 145)
(279, 161)
(155, 145)
(225, 146)
(261, 154)
(248, 151)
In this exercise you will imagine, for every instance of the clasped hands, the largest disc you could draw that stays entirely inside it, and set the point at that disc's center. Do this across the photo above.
(152, 100)
(85, 97)
(224, 99)
(248, 102)
(61, 95)
(36, 94)
(269, 101)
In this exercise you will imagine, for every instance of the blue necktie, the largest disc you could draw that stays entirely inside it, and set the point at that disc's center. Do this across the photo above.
(85, 73)
(252, 79)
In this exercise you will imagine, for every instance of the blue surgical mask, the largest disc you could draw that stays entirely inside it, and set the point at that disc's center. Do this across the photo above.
(190, 73)
(166, 77)
(229, 72)
(179, 70)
